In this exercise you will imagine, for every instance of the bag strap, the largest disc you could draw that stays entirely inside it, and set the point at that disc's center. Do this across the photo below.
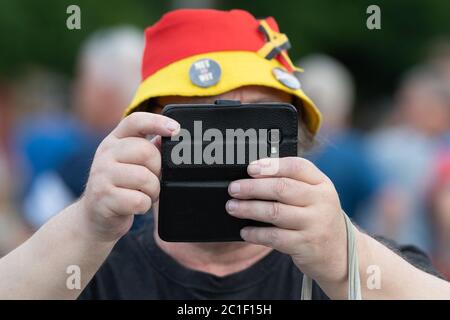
(354, 281)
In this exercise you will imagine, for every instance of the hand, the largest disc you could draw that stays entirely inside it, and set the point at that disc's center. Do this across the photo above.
(124, 177)
(302, 204)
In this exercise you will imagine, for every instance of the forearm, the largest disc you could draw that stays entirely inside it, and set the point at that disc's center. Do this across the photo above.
(38, 268)
(398, 278)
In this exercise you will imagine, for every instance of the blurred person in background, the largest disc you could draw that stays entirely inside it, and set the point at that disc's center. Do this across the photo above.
(99, 96)
(13, 230)
(439, 209)
(404, 152)
(44, 130)
(341, 153)
(439, 57)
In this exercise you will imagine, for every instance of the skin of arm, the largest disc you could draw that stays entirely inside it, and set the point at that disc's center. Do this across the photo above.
(399, 279)
(38, 268)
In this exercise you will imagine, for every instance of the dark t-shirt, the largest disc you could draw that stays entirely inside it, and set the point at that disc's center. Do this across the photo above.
(138, 269)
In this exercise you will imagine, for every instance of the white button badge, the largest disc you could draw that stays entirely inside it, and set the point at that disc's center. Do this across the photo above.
(287, 79)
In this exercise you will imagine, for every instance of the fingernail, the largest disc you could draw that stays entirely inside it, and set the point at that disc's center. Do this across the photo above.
(172, 125)
(244, 233)
(231, 205)
(235, 187)
(253, 169)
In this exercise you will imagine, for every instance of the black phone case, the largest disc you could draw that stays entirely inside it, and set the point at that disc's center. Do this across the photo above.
(193, 196)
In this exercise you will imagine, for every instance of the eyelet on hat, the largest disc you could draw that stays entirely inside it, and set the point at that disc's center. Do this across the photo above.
(287, 79)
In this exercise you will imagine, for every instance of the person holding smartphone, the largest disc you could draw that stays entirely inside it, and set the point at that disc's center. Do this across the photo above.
(199, 56)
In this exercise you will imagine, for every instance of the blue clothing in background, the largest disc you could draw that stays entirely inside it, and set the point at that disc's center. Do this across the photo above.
(56, 153)
(344, 159)
(43, 141)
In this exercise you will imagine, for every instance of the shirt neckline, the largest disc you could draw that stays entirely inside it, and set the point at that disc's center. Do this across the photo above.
(190, 278)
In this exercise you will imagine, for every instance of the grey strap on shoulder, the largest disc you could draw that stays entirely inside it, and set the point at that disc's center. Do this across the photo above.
(354, 283)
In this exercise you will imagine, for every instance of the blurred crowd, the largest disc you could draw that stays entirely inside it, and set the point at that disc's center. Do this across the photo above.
(393, 181)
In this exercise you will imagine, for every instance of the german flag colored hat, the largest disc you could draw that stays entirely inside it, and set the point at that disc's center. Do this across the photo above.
(208, 52)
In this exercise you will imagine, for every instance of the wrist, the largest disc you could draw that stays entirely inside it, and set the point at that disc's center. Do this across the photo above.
(337, 286)
(90, 227)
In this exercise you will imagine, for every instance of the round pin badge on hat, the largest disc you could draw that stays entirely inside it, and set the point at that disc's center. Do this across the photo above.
(205, 73)
(289, 80)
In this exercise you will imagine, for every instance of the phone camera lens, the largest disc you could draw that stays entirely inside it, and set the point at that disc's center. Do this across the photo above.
(274, 136)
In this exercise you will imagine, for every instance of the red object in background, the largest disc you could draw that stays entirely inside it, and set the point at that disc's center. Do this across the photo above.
(441, 180)
(441, 172)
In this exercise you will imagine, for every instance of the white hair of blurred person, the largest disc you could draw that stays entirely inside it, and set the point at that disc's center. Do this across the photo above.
(108, 75)
(330, 85)
(423, 101)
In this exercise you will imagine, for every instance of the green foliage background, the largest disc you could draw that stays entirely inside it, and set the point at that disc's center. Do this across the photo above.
(34, 32)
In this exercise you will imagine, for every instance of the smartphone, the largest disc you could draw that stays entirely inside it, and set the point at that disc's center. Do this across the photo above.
(214, 147)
